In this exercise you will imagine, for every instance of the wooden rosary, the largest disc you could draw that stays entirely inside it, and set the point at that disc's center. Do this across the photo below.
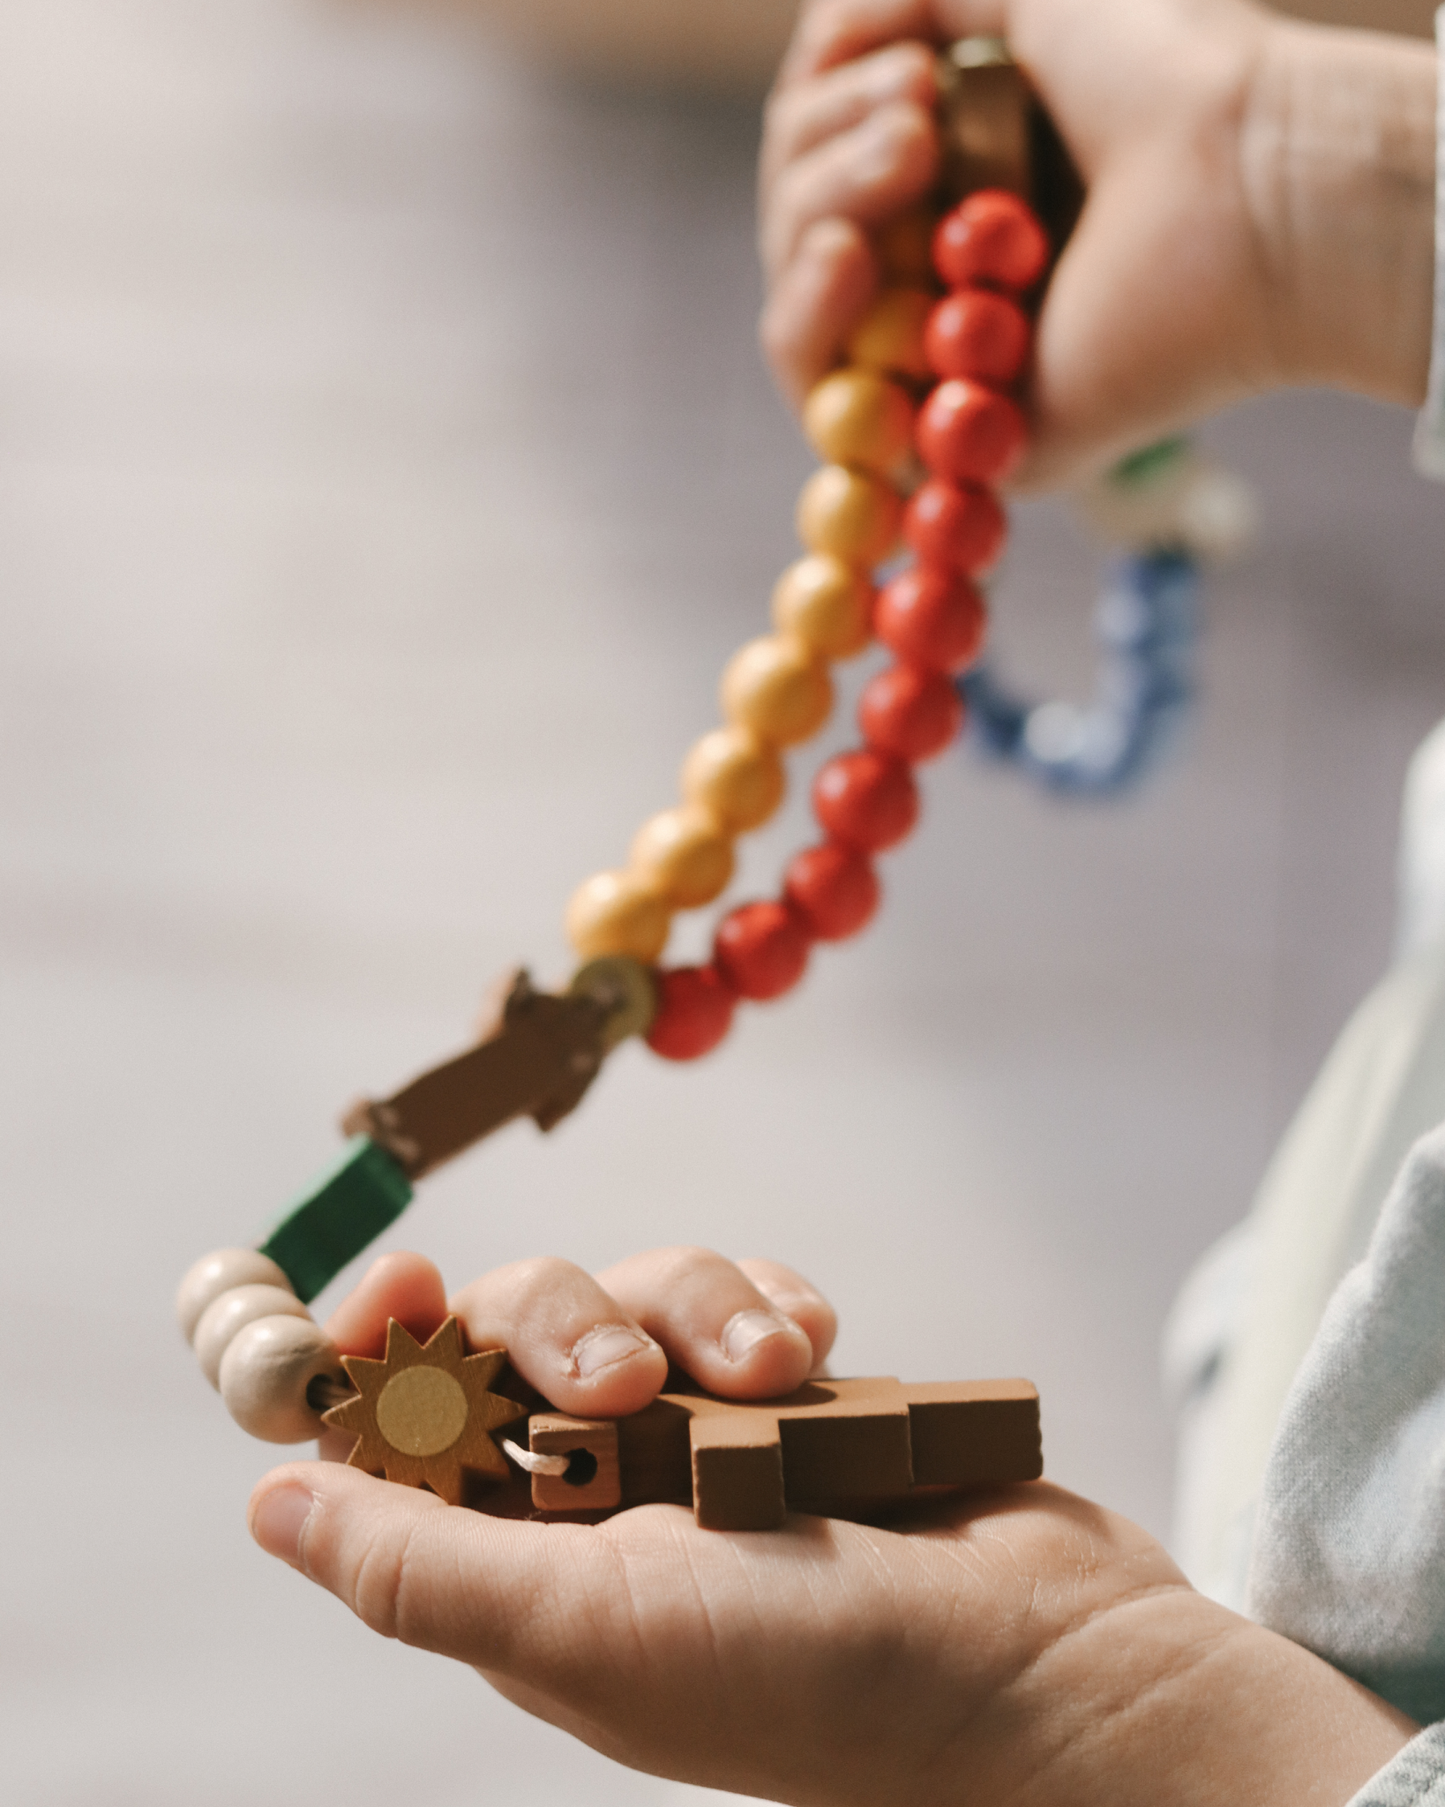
(931, 376)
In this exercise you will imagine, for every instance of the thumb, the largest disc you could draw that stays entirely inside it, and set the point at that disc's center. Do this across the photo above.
(413, 1568)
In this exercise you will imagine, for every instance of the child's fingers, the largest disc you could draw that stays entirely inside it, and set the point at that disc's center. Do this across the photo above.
(867, 174)
(800, 117)
(797, 1299)
(815, 304)
(576, 1344)
(830, 32)
(713, 1321)
(403, 1286)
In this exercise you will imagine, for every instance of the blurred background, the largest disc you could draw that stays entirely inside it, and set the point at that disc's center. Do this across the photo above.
(386, 472)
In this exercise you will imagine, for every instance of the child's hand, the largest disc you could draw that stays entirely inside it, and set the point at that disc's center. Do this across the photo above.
(1259, 207)
(600, 1347)
(1021, 1647)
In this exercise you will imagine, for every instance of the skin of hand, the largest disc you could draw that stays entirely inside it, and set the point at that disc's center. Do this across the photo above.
(1022, 1647)
(1259, 213)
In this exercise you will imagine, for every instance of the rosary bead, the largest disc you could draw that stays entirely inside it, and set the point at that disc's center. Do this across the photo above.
(931, 618)
(218, 1273)
(761, 950)
(909, 712)
(776, 687)
(904, 246)
(993, 237)
(694, 1012)
(958, 526)
(225, 1317)
(858, 418)
(265, 1374)
(866, 799)
(834, 889)
(853, 516)
(617, 913)
(736, 775)
(970, 433)
(828, 605)
(685, 855)
(890, 335)
(978, 334)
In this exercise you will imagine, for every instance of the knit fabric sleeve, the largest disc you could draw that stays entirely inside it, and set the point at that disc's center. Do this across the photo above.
(1415, 1778)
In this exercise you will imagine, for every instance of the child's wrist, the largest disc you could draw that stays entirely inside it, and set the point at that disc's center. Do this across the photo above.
(1337, 159)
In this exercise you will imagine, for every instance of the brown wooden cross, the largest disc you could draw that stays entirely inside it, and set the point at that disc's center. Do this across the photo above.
(834, 1446)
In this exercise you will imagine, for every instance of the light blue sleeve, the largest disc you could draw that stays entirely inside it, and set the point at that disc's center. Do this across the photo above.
(1416, 1778)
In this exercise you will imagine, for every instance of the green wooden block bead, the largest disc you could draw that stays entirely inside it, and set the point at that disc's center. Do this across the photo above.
(356, 1198)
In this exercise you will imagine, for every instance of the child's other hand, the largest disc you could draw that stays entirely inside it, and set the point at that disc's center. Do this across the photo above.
(1258, 213)
(1023, 1647)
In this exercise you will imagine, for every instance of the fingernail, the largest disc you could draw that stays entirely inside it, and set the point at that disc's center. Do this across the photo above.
(745, 1331)
(279, 1520)
(607, 1344)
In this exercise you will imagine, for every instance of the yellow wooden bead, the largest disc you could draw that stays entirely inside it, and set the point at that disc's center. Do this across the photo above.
(890, 335)
(685, 855)
(736, 775)
(776, 687)
(827, 604)
(905, 247)
(853, 516)
(859, 418)
(617, 913)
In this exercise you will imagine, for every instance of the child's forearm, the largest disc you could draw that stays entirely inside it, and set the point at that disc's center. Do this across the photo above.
(1338, 162)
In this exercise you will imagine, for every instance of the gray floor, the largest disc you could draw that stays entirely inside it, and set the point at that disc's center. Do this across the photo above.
(387, 472)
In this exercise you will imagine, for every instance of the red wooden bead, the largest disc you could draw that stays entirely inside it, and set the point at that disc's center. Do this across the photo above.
(910, 713)
(834, 889)
(994, 237)
(970, 433)
(694, 1011)
(979, 334)
(866, 799)
(760, 950)
(931, 617)
(959, 528)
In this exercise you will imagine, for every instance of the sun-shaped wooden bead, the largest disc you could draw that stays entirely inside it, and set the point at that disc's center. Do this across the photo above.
(424, 1414)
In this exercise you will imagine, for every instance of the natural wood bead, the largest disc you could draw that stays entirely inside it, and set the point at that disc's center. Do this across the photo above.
(858, 418)
(217, 1273)
(776, 687)
(686, 855)
(828, 605)
(736, 775)
(265, 1374)
(617, 913)
(225, 1317)
(853, 516)
(890, 335)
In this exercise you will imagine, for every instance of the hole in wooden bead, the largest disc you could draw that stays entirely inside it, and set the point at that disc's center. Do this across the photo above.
(581, 1468)
(422, 1411)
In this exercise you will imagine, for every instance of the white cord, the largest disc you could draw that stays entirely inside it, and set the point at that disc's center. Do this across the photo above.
(534, 1464)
